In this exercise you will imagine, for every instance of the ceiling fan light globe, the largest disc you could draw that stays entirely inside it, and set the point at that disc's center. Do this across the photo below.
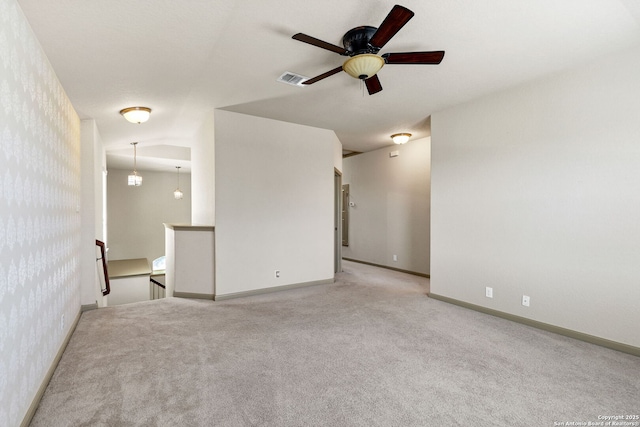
(366, 65)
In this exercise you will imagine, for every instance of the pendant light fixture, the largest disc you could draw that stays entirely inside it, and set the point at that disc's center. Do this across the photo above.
(177, 194)
(134, 179)
(136, 114)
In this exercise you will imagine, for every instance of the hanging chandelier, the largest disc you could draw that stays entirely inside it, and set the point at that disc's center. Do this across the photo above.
(177, 194)
(134, 179)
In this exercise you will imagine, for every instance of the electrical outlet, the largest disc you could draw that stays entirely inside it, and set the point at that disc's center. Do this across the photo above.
(525, 300)
(277, 274)
(395, 257)
(62, 323)
(488, 292)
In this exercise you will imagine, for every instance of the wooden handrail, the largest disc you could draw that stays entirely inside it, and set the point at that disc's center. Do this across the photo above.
(155, 282)
(107, 289)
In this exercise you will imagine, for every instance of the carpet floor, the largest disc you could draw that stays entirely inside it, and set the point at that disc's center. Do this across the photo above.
(370, 349)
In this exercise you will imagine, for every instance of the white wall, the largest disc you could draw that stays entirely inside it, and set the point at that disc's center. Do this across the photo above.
(39, 217)
(93, 167)
(392, 206)
(203, 174)
(190, 261)
(536, 191)
(136, 214)
(337, 155)
(274, 203)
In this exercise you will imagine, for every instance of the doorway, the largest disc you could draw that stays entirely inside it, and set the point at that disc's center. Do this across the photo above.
(337, 220)
(345, 215)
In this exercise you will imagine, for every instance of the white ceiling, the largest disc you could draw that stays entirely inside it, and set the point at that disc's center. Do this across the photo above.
(185, 58)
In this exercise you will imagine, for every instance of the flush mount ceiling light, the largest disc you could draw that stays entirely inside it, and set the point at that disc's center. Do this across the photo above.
(401, 138)
(136, 114)
(134, 179)
(177, 194)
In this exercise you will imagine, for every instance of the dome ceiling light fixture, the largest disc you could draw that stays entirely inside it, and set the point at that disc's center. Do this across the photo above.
(136, 114)
(400, 138)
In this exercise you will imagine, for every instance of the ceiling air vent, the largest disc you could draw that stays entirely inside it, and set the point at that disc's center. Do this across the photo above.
(292, 78)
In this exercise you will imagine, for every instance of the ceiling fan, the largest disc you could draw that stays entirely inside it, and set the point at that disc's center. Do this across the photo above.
(363, 43)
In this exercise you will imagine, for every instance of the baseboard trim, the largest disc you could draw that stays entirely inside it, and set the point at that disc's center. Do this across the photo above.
(614, 345)
(273, 289)
(415, 273)
(45, 382)
(88, 307)
(192, 295)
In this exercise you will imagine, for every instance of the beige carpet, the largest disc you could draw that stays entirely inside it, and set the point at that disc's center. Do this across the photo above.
(369, 350)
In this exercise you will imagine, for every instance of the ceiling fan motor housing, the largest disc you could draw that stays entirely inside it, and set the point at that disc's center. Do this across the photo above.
(356, 40)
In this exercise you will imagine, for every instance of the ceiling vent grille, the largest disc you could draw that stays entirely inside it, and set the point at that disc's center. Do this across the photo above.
(292, 78)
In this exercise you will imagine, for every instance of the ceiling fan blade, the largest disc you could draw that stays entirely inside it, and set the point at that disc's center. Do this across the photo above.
(434, 57)
(319, 43)
(373, 84)
(322, 76)
(395, 20)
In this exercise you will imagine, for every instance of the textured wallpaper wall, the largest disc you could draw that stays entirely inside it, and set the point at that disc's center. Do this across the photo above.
(39, 222)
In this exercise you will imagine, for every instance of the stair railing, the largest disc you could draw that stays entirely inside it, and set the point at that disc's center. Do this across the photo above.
(104, 277)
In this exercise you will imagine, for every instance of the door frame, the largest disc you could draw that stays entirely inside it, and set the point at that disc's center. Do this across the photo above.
(337, 221)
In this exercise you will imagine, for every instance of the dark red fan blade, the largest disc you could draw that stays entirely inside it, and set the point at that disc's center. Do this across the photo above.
(373, 84)
(395, 20)
(322, 76)
(434, 57)
(319, 43)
